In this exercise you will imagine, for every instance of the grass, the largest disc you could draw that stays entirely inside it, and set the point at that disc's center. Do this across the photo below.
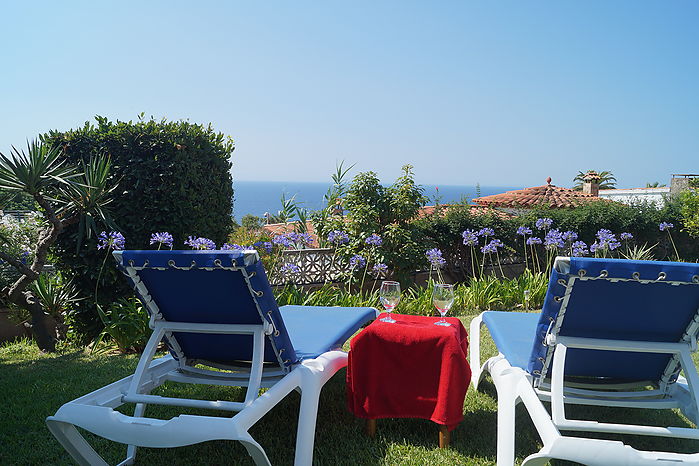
(35, 385)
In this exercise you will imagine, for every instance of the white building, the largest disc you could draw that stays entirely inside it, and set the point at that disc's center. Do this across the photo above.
(636, 195)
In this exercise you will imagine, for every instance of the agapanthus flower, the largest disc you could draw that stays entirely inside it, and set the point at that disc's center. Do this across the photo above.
(579, 248)
(470, 237)
(230, 247)
(266, 245)
(665, 226)
(434, 257)
(374, 240)
(283, 240)
(605, 240)
(24, 257)
(523, 231)
(338, 237)
(289, 269)
(533, 240)
(112, 240)
(162, 238)
(486, 232)
(543, 223)
(379, 269)
(569, 235)
(554, 239)
(626, 236)
(492, 246)
(195, 242)
(357, 261)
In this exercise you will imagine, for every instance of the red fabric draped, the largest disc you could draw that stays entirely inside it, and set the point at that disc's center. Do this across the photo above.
(411, 368)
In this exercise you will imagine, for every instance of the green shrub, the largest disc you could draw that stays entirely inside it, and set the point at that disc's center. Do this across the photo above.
(375, 209)
(173, 176)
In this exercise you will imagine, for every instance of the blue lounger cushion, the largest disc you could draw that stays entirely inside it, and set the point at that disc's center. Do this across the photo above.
(619, 310)
(316, 329)
(512, 333)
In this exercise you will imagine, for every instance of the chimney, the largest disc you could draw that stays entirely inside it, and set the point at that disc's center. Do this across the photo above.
(679, 183)
(591, 183)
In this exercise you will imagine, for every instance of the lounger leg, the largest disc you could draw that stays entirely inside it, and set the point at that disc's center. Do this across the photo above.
(74, 443)
(308, 413)
(506, 425)
(131, 449)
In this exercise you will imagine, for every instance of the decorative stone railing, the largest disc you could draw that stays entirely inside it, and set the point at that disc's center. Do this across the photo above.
(315, 266)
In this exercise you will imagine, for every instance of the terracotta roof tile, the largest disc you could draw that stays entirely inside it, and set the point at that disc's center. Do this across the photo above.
(546, 195)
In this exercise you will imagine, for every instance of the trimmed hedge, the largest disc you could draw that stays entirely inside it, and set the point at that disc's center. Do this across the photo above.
(172, 176)
(444, 229)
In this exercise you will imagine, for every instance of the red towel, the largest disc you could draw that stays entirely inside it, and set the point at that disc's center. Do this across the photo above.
(411, 368)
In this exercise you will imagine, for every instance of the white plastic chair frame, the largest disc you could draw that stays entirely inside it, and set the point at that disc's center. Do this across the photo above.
(515, 385)
(96, 412)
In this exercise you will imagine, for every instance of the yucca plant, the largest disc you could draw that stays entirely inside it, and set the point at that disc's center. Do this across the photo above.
(65, 194)
(638, 252)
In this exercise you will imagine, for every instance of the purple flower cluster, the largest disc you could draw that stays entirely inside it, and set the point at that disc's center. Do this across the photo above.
(470, 237)
(569, 235)
(579, 248)
(289, 269)
(266, 245)
(374, 240)
(665, 226)
(626, 236)
(379, 269)
(196, 242)
(486, 232)
(554, 239)
(605, 240)
(357, 261)
(533, 240)
(293, 240)
(492, 246)
(338, 237)
(523, 231)
(112, 240)
(231, 247)
(434, 257)
(163, 238)
(543, 223)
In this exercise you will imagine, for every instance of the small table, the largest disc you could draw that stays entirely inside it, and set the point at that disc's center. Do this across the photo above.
(409, 369)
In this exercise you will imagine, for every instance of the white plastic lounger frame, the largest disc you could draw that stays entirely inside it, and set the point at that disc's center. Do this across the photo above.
(96, 412)
(515, 385)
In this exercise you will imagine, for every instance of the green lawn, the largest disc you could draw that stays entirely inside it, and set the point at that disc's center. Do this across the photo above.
(35, 385)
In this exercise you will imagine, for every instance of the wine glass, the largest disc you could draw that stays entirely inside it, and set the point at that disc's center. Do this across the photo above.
(390, 295)
(443, 298)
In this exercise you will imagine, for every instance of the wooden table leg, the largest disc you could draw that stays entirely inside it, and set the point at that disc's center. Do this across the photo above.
(371, 427)
(444, 436)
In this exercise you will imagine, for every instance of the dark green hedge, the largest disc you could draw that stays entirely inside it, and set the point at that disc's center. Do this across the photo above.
(172, 176)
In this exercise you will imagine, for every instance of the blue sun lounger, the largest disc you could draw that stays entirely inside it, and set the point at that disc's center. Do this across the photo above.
(611, 333)
(213, 309)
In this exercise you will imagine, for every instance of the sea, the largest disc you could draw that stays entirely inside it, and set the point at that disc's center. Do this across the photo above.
(259, 197)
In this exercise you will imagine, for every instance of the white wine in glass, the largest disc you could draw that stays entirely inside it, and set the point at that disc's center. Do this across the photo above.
(443, 298)
(390, 296)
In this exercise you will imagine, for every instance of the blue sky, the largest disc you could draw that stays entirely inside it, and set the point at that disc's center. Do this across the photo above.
(500, 93)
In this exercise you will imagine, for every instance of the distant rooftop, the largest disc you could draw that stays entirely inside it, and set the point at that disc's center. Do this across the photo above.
(545, 195)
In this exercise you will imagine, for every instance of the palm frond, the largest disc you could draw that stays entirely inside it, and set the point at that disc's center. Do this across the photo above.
(41, 169)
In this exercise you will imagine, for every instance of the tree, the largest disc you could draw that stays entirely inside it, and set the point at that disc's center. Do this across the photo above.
(605, 179)
(251, 222)
(66, 194)
(655, 184)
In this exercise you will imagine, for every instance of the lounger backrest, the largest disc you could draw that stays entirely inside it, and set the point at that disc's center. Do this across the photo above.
(619, 300)
(221, 287)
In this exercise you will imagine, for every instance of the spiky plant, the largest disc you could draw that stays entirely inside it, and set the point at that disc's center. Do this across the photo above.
(66, 194)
